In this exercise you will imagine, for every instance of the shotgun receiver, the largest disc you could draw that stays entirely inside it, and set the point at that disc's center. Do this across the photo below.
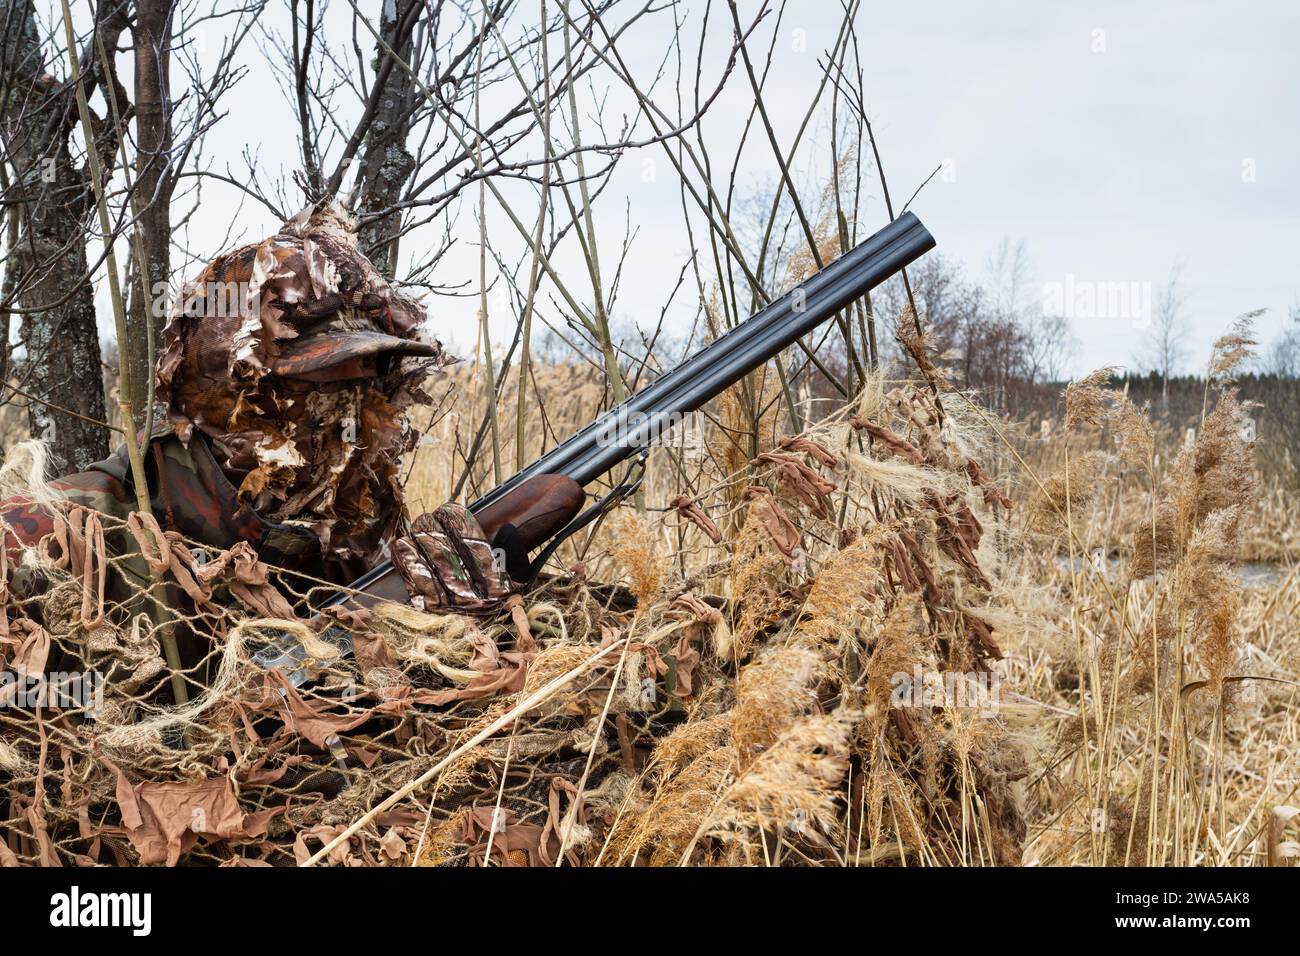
(541, 505)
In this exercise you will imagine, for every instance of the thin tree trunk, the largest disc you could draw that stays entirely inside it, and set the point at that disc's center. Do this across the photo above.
(62, 367)
(386, 163)
(152, 200)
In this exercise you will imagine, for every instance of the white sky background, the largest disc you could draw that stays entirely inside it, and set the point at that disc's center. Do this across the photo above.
(1110, 165)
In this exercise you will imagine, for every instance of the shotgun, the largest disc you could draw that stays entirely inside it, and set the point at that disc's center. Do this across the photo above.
(542, 505)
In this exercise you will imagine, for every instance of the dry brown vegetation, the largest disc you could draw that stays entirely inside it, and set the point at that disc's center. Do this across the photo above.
(1144, 718)
(665, 698)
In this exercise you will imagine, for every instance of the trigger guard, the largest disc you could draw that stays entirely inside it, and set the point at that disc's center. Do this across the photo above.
(508, 542)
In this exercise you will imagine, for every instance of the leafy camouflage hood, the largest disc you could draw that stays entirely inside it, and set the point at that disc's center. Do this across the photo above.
(298, 360)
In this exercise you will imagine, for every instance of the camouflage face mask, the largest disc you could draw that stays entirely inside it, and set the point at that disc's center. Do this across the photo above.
(298, 360)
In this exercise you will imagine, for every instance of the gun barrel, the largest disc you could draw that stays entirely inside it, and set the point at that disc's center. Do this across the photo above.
(613, 437)
(624, 430)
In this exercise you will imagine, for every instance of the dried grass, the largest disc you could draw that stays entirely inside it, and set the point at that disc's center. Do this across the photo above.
(754, 717)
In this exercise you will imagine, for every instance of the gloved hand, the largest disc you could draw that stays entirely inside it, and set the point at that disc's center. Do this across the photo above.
(448, 564)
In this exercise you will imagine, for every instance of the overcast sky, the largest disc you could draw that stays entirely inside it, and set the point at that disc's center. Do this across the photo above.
(1114, 138)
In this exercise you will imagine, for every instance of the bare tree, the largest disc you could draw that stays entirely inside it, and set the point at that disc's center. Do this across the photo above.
(386, 163)
(48, 197)
(1046, 339)
(1280, 397)
(154, 182)
(1010, 273)
(1165, 349)
(1052, 341)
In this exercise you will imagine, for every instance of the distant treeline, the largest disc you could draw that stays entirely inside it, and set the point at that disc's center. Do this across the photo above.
(1276, 417)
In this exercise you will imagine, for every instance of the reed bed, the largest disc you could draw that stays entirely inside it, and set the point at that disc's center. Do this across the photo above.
(909, 634)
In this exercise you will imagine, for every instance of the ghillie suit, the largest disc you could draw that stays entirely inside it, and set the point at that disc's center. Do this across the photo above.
(287, 370)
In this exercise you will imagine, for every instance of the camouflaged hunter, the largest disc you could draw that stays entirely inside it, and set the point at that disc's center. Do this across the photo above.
(287, 370)
(287, 420)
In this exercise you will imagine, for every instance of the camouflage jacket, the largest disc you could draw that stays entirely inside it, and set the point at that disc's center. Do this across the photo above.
(444, 563)
(190, 494)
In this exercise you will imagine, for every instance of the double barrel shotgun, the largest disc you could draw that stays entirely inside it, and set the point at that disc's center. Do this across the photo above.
(542, 505)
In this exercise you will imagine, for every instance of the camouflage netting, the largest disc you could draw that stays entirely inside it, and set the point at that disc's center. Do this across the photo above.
(758, 730)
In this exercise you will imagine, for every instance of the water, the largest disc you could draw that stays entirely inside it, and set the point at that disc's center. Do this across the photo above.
(1253, 573)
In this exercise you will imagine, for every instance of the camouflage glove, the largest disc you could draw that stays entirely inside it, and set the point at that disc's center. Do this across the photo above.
(447, 563)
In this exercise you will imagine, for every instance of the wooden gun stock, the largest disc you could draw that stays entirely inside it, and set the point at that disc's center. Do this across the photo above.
(522, 521)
